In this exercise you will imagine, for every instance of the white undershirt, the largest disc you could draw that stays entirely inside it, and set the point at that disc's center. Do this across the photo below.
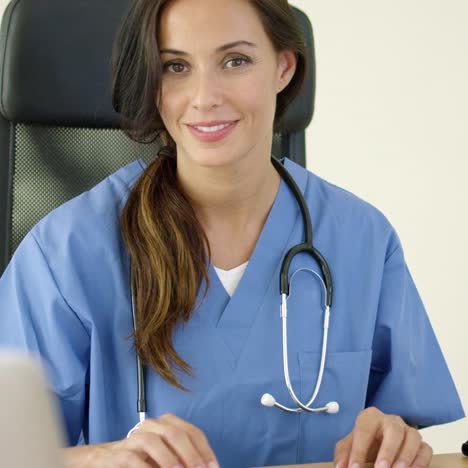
(230, 278)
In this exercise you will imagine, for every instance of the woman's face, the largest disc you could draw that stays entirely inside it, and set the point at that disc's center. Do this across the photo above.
(221, 76)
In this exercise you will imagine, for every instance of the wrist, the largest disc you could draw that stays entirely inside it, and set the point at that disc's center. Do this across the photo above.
(86, 456)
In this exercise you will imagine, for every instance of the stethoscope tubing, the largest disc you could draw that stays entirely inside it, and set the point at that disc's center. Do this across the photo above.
(141, 381)
(326, 321)
(307, 246)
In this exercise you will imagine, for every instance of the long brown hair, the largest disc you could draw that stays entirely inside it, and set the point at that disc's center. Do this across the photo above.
(166, 243)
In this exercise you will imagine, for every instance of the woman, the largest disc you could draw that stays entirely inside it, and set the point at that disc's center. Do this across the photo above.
(204, 229)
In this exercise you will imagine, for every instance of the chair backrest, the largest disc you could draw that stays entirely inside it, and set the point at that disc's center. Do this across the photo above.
(59, 134)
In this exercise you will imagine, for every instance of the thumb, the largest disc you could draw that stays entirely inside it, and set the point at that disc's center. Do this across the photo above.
(342, 451)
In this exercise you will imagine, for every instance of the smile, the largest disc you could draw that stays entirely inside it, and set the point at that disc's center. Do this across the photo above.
(215, 128)
(209, 133)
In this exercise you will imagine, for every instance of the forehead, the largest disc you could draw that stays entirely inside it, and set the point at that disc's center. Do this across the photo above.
(206, 24)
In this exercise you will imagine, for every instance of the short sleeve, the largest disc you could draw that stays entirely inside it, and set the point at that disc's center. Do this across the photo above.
(409, 376)
(34, 317)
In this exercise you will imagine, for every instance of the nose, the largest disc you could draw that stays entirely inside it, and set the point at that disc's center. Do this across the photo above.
(207, 91)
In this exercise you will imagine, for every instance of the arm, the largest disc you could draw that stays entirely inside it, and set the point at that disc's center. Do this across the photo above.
(36, 318)
(86, 456)
(408, 375)
(166, 441)
(408, 370)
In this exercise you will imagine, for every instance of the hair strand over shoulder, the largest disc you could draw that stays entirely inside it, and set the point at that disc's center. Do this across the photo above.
(166, 243)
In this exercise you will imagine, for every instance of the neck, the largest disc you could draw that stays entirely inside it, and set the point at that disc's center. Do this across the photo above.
(234, 196)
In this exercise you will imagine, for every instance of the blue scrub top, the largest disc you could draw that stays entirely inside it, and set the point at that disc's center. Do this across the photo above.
(65, 296)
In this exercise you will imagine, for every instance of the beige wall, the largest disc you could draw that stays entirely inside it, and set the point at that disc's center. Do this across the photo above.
(391, 126)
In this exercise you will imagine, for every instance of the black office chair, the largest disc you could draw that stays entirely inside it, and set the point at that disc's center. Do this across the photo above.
(59, 134)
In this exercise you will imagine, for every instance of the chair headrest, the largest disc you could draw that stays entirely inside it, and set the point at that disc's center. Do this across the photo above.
(55, 64)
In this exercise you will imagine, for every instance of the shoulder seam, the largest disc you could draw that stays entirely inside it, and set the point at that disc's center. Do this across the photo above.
(56, 284)
(321, 193)
(390, 255)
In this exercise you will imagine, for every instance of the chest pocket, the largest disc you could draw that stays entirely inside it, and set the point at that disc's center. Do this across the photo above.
(345, 380)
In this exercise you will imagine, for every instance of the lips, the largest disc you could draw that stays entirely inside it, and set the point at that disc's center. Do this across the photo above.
(212, 131)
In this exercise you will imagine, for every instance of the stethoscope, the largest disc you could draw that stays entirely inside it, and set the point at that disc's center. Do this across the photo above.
(267, 399)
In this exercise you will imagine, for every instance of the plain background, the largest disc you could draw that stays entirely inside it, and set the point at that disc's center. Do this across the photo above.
(391, 125)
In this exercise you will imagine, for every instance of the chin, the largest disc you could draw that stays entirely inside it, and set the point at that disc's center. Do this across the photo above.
(215, 157)
(215, 160)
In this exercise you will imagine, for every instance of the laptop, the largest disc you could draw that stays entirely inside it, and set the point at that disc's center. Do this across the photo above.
(30, 432)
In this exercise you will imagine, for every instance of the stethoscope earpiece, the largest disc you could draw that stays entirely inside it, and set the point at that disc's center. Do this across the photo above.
(332, 407)
(268, 400)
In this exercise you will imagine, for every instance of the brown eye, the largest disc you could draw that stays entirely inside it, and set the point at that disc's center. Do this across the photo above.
(174, 67)
(238, 62)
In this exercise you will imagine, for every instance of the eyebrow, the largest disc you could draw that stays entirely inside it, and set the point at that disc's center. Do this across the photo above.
(219, 49)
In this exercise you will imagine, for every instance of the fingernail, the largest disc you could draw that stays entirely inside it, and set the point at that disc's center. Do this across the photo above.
(401, 464)
(213, 464)
(340, 464)
(382, 464)
(355, 465)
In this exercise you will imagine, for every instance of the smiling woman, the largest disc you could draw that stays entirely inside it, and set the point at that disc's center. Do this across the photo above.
(211, 91)
(194, 245)
(213, 98)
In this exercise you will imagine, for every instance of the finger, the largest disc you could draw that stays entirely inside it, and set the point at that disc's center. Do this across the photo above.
(154, 447)
(342, 450)
(128, 459)
(410, 447)
(366, 430)
(393, 437)
(176, 439)
(424, 456)
(197, 436)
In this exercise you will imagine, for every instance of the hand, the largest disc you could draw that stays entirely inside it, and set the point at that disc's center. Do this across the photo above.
(384, 439)
(166, 442)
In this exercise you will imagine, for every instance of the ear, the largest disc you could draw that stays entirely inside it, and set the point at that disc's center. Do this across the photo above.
(287, 62)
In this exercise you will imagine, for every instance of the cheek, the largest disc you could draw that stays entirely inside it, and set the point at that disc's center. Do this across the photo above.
(261, 102)
(255, 95)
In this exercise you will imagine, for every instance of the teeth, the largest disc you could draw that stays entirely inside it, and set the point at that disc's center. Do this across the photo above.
(216, 128)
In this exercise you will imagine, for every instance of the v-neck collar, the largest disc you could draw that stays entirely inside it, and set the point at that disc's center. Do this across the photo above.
(234, 316)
